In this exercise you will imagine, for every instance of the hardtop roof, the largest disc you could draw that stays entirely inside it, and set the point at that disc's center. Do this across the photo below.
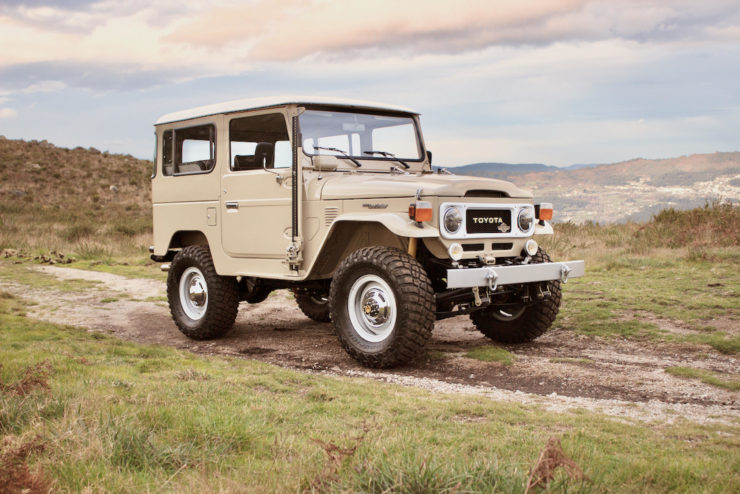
(256, 103)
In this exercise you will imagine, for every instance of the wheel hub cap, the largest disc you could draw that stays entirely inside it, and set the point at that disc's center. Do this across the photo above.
(197, 291)
(375, 306)
(193, 293)
(372, 308)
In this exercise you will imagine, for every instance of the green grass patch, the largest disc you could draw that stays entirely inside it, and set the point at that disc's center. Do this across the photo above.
(26, 274)
(491, 354)
(669, 288)
(122, 417)
(705, 376)
(129, 267)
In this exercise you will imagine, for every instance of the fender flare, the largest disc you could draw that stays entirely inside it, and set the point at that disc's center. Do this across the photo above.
(397, 223)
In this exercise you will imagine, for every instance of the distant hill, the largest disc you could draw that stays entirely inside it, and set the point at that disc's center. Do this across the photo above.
(58, 187)
(629, 190)
(72, 199)
(498, 170)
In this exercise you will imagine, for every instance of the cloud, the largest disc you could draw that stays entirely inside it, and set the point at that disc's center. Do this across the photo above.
(171, 40)
(290, 30)
(43, 77)
(7, 113)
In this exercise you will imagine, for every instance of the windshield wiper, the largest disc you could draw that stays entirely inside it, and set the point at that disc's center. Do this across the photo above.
(389, 155)
(344, 155)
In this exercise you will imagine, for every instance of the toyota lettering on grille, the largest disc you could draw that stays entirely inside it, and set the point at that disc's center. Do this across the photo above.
(488, 221)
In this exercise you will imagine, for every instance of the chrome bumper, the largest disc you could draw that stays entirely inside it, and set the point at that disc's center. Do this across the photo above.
(494, 276)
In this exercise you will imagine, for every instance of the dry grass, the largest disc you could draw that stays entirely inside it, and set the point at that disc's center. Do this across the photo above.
(695, 235)
(552, 458)
(78, 201)
(34, 377)
(15, 476)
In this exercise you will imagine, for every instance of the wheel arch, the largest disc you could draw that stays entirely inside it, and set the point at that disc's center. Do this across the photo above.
(348, 235)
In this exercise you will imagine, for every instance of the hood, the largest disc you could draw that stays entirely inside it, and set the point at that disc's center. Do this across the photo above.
(366, 186)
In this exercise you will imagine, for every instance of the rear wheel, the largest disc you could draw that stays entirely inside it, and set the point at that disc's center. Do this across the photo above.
(382, 306)
(524, 322)
(314, 305)
(203, 304)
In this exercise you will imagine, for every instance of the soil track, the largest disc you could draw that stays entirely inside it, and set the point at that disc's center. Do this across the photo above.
(561, 370)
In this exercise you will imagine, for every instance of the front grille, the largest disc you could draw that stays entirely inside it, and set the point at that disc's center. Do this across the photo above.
(488, 220)
(504, 246)
(472, 247)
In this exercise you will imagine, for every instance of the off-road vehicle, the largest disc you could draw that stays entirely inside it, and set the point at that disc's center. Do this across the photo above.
(337, 201)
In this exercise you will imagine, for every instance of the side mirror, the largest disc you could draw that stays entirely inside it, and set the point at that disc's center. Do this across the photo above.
(429, 157)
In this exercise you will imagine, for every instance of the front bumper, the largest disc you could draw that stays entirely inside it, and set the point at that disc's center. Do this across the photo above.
(494, 276)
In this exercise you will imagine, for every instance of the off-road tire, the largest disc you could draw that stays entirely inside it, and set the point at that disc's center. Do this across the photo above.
(222, 295)
(533, 322)
(315, 309)
(413, 306)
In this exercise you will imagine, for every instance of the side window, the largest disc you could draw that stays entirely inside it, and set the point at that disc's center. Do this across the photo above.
(259, 141)
(195, 149)
(167, 166)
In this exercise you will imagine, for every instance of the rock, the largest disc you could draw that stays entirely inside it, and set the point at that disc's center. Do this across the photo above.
(113, 188)
(35, 166)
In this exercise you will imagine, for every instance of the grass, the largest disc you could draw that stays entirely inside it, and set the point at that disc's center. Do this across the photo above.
(26, 275)
(121, 417)
(491, 354)
(707, 377)
(82, 411)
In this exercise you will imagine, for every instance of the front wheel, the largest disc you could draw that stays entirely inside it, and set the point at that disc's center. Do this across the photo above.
(203, 304)
(382, 306)
(521, 323)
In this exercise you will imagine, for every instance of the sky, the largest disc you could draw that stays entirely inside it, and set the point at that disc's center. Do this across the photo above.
(559, 82)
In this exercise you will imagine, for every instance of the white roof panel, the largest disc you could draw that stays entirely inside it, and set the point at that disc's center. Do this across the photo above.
(254, 103)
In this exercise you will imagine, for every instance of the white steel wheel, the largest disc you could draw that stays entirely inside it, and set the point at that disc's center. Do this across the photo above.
(382, 306)
(371, 306)
(193, 293)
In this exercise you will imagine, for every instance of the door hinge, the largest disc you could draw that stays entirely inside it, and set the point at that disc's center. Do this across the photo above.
(294, 254)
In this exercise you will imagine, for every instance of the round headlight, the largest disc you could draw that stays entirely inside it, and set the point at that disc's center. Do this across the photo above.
(452, 219)
(525, 219)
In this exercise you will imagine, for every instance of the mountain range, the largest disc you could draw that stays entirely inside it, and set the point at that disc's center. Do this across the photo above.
(628, 190)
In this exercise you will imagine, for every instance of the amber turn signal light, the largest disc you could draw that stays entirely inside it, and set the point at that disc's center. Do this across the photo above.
(420, 211)
(544, 211)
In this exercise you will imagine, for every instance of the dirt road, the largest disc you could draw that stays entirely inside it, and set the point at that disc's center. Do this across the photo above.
(561, 370)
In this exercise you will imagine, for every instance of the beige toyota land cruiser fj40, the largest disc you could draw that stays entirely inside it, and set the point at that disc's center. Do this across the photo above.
(337, 201)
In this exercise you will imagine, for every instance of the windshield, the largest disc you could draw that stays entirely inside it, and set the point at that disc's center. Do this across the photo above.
(359, 135)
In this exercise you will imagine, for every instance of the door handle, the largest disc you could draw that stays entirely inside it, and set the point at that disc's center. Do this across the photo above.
(233, 205)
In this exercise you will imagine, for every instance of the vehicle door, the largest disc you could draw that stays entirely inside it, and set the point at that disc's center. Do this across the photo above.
(256, 189)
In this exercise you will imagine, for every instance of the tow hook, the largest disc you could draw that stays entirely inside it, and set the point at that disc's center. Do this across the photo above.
(564, 273)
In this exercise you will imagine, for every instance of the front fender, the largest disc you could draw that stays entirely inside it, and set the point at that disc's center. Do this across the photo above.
(545, 229)
(397, 223)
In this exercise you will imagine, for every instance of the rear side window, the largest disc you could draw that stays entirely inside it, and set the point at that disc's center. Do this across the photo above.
(190, 150)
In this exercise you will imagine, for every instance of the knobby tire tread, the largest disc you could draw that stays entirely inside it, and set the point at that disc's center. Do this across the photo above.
(414, 297)
(223, 296)
(533, 323)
